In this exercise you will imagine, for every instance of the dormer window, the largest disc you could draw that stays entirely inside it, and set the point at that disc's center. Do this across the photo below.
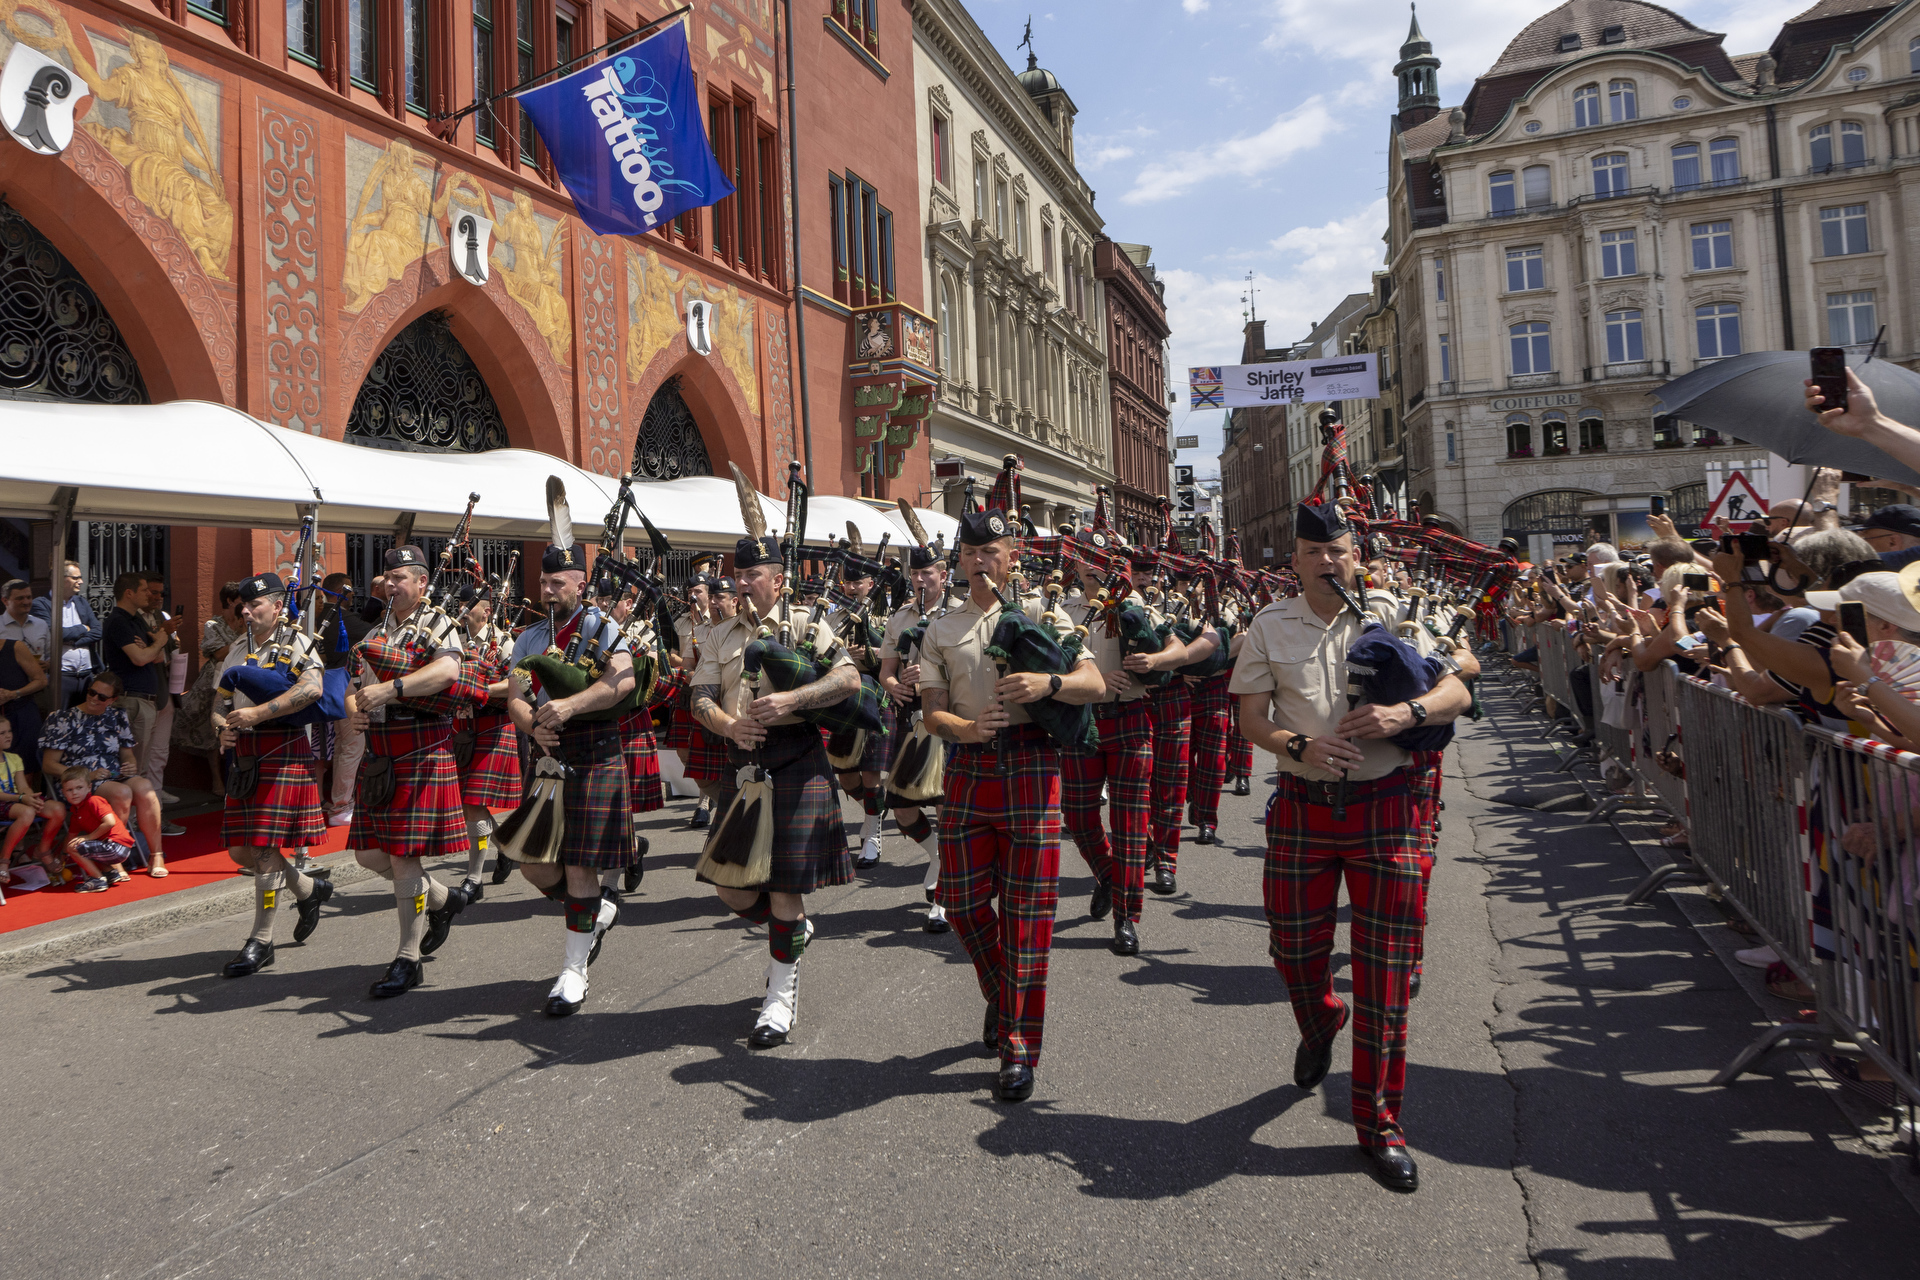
(1615, 34)
(1570, 42)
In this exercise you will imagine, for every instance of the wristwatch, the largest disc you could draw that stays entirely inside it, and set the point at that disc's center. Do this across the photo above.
(1297, 744)
(1053, 685)
(400, 688)
(1419, 712)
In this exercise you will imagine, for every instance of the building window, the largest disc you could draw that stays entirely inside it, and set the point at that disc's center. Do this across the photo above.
(942, 159)
(213, 10)
(1519, 436)
(482, 67)
(1386, 427)
(1850, 319)
(883, 249)
(1843, 229)
(1619, 254)
(523, 48)
(1532, 347)
(1686, 166)
(1624, 342)
(1666, 432)
(1536, 182)
(1593, 435)
(1717, 326)
(1723, 155)
(1712, 245)
(1452, 456)
(1610, 175)
(414, 36)
(363, 43)
(837, 229)
(980, 190)
(767, 175)
(1439, 280)
(1020, 227)
(1913, 56)
(1500, 193)
(1853, 147)
(1000, 209)
(1446, 358)
(946, 326)
(1620, 102)
(720, 138)
(303, 31)
(1586, 106)
(1526, 269)
(1553, 436)
(1046, 249)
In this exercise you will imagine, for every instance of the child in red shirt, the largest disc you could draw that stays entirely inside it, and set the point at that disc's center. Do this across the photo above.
(95, 835)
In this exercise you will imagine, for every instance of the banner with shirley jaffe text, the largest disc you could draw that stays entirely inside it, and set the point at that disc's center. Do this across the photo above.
(627, 139)
(1236, 386)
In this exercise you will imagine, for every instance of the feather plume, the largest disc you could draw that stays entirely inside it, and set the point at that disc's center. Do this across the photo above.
(751, 514)
(558, 514)
(914, 526)
(853, 539)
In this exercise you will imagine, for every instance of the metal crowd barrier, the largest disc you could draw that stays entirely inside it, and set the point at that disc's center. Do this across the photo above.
(1615, 740)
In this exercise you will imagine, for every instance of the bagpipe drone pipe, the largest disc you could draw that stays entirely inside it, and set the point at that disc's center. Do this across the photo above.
(268, 674)
(565, 673)
(1025, 647)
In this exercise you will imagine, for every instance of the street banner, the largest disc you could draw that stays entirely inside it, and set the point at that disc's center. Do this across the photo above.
(1236, 386)
(626, 137)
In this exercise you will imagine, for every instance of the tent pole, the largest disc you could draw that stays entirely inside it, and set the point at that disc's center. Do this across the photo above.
(65, 498)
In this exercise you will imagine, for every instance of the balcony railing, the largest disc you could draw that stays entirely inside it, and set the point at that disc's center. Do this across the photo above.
(1711, 184)
(1521, 380)
(1618, 194)
(1521, 211)
(1446, 388)
(1841, 166)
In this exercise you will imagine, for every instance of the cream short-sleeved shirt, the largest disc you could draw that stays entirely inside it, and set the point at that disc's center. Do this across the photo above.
(954, 657)
(1300, 661)
(723, 653)
(300, 657)
(1105, 650)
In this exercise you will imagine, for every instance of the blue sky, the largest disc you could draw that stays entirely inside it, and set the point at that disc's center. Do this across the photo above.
(1251, 135)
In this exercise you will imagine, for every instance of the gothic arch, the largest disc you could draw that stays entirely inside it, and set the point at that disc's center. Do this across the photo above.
(715, 402)
(160, 328)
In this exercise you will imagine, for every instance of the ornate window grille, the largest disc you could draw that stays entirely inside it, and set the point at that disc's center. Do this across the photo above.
(669, 445)
(424, 395)
(56, 341)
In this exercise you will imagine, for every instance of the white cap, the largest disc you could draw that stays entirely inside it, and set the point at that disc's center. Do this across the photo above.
(1888, 596)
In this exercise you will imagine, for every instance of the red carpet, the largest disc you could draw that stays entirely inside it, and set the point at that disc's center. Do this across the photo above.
(196, 858)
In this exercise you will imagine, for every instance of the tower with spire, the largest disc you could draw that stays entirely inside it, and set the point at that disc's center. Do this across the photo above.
(1419, 74)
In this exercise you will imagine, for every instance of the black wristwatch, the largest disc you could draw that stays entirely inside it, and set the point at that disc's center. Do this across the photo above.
(1419, 712)
(1053, 685)
(400, 688)
(1297, 744)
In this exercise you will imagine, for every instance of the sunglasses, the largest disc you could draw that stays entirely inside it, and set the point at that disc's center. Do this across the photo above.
(94, 695)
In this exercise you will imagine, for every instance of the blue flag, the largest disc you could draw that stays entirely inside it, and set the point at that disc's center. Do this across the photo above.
(626, 137)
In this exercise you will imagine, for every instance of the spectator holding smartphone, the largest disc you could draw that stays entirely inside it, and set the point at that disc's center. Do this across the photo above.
(133, 651)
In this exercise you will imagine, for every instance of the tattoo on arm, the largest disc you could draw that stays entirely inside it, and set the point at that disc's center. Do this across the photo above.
(705, 702)
(304, 694)
(833, 687)
(932, 701)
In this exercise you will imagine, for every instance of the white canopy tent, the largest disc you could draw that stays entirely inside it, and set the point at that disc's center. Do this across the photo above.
(191, 462)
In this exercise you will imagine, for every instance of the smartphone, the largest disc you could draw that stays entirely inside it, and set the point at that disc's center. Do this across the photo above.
(1828, 368)
(1853, 621)
(1695, 581)
(1656, 505)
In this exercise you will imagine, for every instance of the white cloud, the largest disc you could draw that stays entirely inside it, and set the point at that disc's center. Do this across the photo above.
(1193, 6)
(1105, 155)
(1300, 129)
(1318, 266)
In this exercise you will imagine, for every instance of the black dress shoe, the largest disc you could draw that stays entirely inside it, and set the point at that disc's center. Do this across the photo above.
(1102, 900)
(402, 976)
(502, 868)
(935, 924)
(1311, 1062)
(1413, 983)
(560, 1008)
(440, 922)
(1126, 939)
(1241, 788)
(766, 1036)
(309, 910)
(1163, 882)
(1393, 1168)
(473, 890)
(1206, 836)
(701, 817)
(253, 957)
(606, 895)
(638, 871)
(990, 1029)
(1015, 1083)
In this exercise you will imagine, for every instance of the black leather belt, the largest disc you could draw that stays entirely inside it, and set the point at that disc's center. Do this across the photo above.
(144, 697)
(407, 715)
(1314, 792)
(1014, 734)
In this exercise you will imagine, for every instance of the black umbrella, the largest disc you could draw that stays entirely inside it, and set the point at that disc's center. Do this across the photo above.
(1759, 398)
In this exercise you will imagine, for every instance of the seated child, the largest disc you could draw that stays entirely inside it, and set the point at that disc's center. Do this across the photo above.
(21, 807)
(96, 835)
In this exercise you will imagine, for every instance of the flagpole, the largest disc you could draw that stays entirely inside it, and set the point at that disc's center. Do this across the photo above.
(799, 351)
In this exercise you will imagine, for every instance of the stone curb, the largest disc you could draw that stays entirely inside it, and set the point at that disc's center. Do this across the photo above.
(117, 926)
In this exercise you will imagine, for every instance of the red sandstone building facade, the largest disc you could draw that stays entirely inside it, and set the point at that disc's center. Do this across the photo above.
(256, 207)
(1137, 385)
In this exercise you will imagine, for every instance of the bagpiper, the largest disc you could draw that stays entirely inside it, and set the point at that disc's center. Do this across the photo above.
(1342, 809)
(645, 792)
(1000, 823)
(272, 800)
(486, 749)
(408, 806)
(900, 679)
(862, 782)
(702, 759)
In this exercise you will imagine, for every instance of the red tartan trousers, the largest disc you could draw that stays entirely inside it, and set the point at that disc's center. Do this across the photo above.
(1239, 751)
(1378, 854)
(1172, 725)
(1207, 766)
(1000, 833)
(1123, 762)
(1423, 784)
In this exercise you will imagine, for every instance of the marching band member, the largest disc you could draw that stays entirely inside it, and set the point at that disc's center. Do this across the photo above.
(409, 806)
(644, 790)
(809, 841)
(486, 749)
(282, 808)
(595, 797)
(999, 830)
(900, 678)
(862, 783)
(702, 757)
(1290, 679)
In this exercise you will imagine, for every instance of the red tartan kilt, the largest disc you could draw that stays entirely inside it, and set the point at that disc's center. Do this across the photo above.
(424, 818)
(707, 757)
(492, 778)
(680, 726)
(643, 762)
(284, 810)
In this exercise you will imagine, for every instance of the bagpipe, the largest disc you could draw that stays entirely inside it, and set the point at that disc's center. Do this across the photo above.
(269, 673)
(1022, 646)
(393, 655)
(918, 772)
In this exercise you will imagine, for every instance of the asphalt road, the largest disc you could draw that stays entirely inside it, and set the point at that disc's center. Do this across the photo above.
(165, 1122)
